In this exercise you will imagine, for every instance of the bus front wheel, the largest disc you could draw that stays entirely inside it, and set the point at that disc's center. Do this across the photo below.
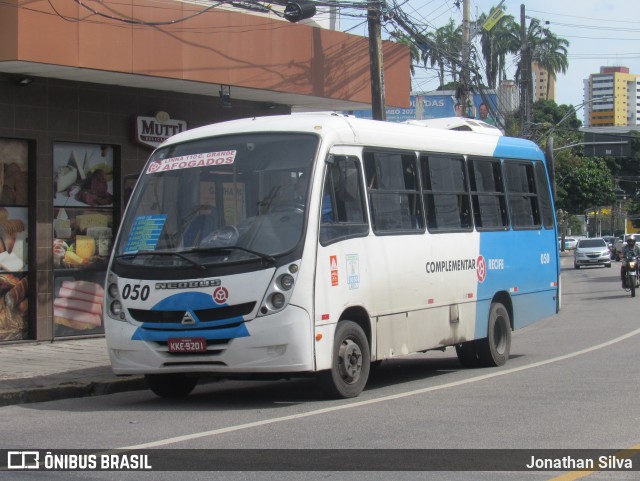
(173, 385)
(350, 363)
(494, 350)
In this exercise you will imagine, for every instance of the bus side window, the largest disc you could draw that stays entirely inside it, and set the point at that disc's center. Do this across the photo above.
(394, 192)
(342, 207)
(522, 196)
(445, 193)
(487, 194)
(544, 196)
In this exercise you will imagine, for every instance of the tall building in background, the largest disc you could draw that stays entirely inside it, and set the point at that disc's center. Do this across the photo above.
(542, 83)
(619, 94)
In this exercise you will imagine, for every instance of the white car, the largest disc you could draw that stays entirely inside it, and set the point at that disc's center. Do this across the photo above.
(592, 252)
(570, 243)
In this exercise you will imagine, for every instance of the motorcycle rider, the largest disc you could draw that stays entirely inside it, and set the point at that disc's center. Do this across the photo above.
(630, 246)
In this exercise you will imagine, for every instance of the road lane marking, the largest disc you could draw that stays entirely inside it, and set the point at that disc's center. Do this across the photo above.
(573, 475)
(391, 397)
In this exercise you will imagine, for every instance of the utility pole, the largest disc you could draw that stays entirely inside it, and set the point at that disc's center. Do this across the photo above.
(551, 168)
(375, 56)
(466, 49)
(525, 78)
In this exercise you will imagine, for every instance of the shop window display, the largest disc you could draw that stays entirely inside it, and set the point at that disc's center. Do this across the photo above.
(83, 235)
(14, 195)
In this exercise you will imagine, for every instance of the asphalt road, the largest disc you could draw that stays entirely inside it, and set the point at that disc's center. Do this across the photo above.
(571, 383)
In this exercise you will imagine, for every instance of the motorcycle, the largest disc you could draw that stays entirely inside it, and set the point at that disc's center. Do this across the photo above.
(631, 273)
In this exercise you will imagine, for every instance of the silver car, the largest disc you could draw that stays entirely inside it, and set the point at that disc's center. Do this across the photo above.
(591, 252)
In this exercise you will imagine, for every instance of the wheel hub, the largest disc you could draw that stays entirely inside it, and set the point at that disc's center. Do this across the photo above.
(350, 361)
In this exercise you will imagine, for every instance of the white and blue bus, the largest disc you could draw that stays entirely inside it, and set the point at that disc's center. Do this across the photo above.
(320, 244)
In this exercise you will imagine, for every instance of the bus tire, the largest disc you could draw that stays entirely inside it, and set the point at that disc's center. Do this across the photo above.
(350, 364)
(494, 350)
(175, 385)
(467, 354)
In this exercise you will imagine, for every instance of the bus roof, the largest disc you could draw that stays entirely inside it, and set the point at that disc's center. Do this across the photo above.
(458, 123)
(340, 129)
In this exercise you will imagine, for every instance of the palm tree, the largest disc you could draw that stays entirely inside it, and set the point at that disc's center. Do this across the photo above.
(451, 42)
(435, 56)
(551, 54)
(549, 50)
(414, 51)
(496, 44)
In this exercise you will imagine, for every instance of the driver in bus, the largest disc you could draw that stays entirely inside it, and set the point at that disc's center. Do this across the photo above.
(630, 246)
(203, 225)
(301, 199)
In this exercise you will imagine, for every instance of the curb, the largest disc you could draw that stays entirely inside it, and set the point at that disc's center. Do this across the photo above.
(71, 389)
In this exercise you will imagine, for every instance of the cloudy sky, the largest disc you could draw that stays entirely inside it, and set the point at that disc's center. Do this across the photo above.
(600, 32)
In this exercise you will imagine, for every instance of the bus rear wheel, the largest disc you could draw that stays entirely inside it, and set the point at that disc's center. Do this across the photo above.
(175, 385)
(494, 350)
(351, 362)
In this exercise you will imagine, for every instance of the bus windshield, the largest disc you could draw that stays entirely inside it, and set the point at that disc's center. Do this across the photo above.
(220, 199)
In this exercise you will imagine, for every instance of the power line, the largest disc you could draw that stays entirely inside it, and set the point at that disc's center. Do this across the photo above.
(599, 20)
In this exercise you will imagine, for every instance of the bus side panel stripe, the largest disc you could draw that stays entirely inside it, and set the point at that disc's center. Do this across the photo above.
(518, 263)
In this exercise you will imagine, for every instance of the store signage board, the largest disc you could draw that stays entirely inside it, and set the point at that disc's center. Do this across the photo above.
(152, 131)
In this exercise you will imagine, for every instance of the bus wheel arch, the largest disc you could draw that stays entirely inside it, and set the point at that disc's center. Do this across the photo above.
(494, 349)
(350, 357)
(504, 298)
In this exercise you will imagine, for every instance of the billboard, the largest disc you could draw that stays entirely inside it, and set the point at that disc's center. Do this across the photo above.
(439, 104)
(606, 145)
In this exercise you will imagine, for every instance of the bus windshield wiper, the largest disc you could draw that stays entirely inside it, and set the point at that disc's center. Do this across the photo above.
(266, 257)
(133, 255)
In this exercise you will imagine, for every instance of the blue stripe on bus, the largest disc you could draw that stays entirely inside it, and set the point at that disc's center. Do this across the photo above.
(512, 148)
(143, 334)
(191, 302)
(522, 264)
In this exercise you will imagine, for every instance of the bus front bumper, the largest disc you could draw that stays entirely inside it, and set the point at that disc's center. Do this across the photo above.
(281, 342)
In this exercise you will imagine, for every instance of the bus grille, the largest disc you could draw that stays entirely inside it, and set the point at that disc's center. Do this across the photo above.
(204, 315)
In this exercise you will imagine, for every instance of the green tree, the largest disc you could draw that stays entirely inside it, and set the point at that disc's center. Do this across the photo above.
(583, 183)
(627, 173)
(550, 114)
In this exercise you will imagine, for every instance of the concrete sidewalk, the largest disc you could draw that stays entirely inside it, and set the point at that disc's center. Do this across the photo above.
(47, 371)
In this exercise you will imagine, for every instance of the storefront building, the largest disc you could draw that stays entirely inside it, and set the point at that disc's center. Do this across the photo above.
(83, 104)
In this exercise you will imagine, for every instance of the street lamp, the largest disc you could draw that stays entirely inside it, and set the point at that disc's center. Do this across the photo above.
(574, 109)
(620, 196)
(549, 148)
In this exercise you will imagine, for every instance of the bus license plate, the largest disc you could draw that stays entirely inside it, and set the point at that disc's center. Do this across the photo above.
(188, 344)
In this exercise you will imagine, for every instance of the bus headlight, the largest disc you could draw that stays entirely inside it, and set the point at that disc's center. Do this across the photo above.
(115, 308)
(278, 300)
(286, 281)
(280, 290)
(113, 305)
(113, 291)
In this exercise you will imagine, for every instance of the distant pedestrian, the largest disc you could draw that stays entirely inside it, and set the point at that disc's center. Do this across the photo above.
(483, 114)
